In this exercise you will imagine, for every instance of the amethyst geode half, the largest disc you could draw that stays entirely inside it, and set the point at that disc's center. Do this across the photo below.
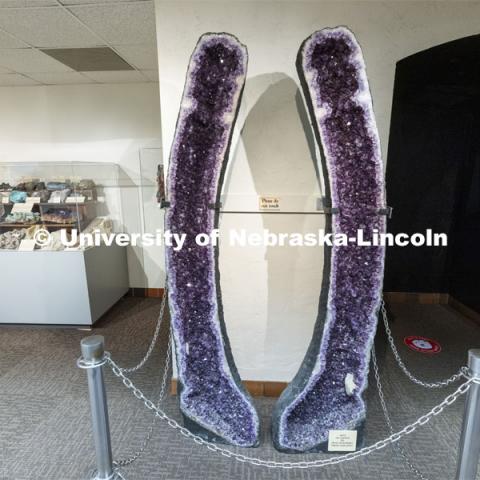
(213, 400)
(326, 393)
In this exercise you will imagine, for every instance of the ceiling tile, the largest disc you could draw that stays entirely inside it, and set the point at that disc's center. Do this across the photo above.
(61, 78)
(39, 3)
(85, 2)
(14, 79)
(117, 77)
(121, 23)
(151, 74)
(29, 60)
(27, 3)
(143, 57)
(47, 27)
(96, 59)
(7, 41)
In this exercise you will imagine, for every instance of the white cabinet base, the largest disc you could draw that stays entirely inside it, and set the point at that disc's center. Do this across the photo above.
(61, 288)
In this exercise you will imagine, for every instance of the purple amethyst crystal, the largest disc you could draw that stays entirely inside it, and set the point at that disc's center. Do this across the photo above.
(212, 398)
(326, 393)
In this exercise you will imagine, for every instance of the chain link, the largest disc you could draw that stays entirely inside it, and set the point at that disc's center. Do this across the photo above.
(388, 420)
(123, 462)
(392, 439)
(462, 372)
(156, 334)
(163, 389)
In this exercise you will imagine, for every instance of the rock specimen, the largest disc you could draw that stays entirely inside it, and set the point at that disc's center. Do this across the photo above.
(11, 240)
(212, 398)
(22, 217)
(63, 215)
(326, 393)
(18, 196)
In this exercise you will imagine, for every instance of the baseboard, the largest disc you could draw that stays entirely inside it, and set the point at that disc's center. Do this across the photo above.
(274, 389)
(255, 388)
(417, 297)
(464, 309)
(432, 299)
(146, 292)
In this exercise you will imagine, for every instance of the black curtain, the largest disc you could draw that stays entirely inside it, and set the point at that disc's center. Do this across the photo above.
(433, 170)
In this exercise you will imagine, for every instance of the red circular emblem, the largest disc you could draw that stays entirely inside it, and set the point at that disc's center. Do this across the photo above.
(422, 344)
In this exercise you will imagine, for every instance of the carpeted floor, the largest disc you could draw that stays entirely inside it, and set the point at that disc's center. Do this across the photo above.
(45, 428)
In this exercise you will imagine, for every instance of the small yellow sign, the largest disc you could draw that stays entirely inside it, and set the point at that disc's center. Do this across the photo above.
(268, 203)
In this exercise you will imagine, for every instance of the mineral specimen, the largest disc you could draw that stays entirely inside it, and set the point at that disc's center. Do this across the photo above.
(22, 217)
(212, 398)
(59, 196)
(42, 195)
(100, 225)
(53, 186)
(62, 215)
(25, 186)
(85, 184)
(326, 393)
(17, 196)
(11, 240)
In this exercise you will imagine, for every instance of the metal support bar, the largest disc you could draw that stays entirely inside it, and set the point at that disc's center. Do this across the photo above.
(215, 206)
(469, 449)
(93, 359)
(322, 206)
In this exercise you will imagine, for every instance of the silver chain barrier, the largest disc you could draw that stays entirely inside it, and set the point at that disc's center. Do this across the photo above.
(393, 438)
(462, 372)
(163, 389)
(388, 420)
(156, 334)
(123, 462)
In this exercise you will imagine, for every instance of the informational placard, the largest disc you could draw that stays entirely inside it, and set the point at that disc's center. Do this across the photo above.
(27, 245)
(32, 200)
(342, 440)
(77, 199)
(55, 200)
(267, 203)
(22, 208)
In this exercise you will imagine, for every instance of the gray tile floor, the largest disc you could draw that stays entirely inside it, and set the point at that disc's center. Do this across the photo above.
(45, 425)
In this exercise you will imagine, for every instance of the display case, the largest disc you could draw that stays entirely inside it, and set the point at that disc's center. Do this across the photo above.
(42, 205)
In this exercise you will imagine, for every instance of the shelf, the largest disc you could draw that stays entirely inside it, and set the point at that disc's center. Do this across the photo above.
(43, 224)
(80, 224)
(64, 204)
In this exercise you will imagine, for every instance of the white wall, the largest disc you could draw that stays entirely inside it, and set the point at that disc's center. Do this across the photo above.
(271, 294)
(94, 123)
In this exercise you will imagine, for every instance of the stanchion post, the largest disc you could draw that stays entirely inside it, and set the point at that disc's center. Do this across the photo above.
(93, 359)
(469, 449)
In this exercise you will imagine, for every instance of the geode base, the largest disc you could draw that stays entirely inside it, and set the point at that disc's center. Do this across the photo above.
(323, 446)
(202, 432)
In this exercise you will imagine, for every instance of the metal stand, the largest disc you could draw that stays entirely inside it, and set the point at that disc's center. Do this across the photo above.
(469, 450)
(92, 360)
